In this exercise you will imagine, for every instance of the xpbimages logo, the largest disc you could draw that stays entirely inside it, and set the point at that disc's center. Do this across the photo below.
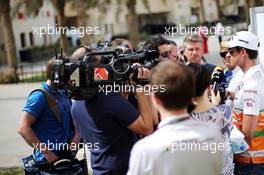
(147, 89)
(183, 30)
(51, 30)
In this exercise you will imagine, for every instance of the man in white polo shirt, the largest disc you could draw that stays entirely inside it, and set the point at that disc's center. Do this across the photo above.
(249, 102)
(180, 145)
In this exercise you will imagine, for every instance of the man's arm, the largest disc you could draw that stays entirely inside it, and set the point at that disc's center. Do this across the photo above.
(75, 140)
(30, 137)
(249, 126)
(144, 123)
(251, 108)
(155, 113)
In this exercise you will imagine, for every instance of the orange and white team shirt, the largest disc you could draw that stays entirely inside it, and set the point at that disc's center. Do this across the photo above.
(249, 100)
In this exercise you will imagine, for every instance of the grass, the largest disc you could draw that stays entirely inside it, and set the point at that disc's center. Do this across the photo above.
(11, 171)
(38, 77)
(16, 171)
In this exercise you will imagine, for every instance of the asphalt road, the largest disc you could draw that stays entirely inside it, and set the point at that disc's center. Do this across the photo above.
(12, 146)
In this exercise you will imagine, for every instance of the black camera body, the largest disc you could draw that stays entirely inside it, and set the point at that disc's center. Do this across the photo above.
(81, 79)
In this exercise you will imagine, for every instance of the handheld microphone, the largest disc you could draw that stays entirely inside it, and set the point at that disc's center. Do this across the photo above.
(217, 77)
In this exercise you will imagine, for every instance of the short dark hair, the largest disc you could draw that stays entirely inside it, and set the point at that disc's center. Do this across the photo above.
(155, 42)
(201, 76)
(172, 42)
(202, 81)
(252, 54)
(178, 83)
(50, 67)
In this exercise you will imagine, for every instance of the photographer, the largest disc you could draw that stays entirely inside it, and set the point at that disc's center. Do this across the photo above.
(111, 123)
(39, 125)
(166, 48)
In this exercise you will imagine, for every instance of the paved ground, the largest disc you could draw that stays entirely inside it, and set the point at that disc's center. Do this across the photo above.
(12, 146)
(12, 99)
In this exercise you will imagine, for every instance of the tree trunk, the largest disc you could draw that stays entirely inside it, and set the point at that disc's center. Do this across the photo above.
(59, 6)
(246, 9)
(251, 3)
(82, 19)
(219, 12)
(133, 30)
(202, 16)
(9, 41)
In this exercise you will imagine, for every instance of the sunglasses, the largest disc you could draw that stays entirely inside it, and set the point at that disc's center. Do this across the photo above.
(165, 54)
(223, 54)
(231, 50)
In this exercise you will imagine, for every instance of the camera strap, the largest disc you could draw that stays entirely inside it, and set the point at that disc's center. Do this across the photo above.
(52, 103)
(55, 109)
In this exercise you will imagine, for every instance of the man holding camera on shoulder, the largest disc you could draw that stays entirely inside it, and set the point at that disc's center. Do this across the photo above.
(112, 123)
(49, 128)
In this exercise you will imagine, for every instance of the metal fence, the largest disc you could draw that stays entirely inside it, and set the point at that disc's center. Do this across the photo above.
(32, 72)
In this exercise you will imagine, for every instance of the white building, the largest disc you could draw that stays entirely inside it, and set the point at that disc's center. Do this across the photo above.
(27, 28)
(112, 21)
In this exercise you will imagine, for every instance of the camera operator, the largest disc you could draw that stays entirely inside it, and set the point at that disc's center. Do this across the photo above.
(112, 123)
(166, 48)
(122, 42)
(39, 125)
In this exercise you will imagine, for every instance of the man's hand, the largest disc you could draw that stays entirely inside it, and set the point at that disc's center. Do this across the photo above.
(50, 156)
(142, 74)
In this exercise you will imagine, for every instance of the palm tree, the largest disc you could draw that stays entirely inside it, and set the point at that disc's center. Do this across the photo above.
(202, 19)
(132, 18)
(32, 8)
(59, 6)
(132, 21)
(81, 6)
(9, 42)
(251, 3)
(219, 12)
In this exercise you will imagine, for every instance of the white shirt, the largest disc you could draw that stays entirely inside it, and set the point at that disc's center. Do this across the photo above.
(250, 92)
(234, 82)
(237, 77)
(168, 151)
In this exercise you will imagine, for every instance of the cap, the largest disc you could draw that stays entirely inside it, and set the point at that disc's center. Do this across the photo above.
(243, 39)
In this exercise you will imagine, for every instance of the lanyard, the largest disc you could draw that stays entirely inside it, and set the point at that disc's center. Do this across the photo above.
(175, 120)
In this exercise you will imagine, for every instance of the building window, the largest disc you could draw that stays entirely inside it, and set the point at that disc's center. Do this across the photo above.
(31, 39)
(23, 40)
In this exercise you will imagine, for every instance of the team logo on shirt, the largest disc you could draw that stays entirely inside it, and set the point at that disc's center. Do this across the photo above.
(249, 104)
